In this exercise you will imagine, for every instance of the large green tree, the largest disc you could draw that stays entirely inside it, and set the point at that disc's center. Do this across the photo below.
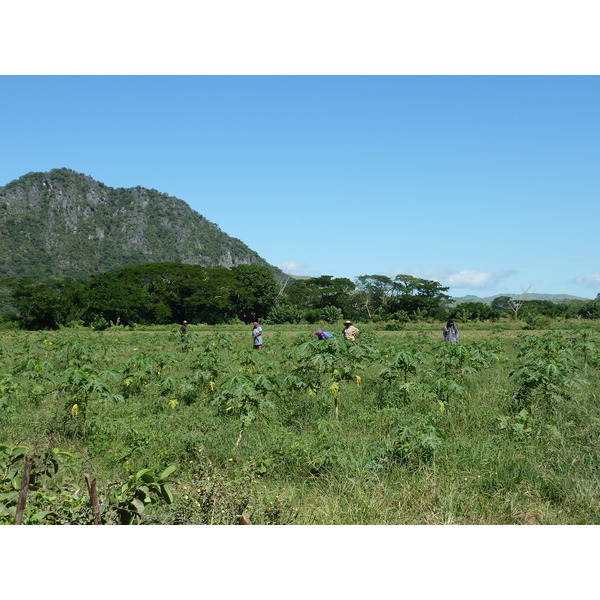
(215, 297)
(116, 297)
(380, 295)
(320, 293)
(375, 292)
(41, 305)
(412, 294)
(258, 291)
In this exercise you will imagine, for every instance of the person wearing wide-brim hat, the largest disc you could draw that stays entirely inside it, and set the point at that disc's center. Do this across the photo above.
(349, 332)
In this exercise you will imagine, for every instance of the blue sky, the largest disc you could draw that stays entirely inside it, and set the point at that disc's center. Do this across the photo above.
(487, 184)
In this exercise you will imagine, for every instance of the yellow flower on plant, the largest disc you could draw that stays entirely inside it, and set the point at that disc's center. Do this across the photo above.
(75, 410)
(334, 388)
(357, 379)
(212, 385)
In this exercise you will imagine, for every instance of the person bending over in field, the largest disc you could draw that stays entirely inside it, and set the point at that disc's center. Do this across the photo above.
(450, 333)
(323, 335)
(257, 335)
(349, 332)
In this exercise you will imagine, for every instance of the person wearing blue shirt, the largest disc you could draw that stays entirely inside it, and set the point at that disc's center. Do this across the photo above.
(323, 335)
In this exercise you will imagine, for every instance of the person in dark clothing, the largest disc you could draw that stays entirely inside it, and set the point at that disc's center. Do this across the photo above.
(183, 331)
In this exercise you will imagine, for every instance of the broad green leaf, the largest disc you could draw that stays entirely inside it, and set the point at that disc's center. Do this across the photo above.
(167, 493)
(66, 454)
(170, 469)
(40, 516)
(138, 504)
(142, 474)
(9, 496)
(20, 450)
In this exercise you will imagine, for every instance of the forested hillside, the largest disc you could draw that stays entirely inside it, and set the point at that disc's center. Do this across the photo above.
(63, 224)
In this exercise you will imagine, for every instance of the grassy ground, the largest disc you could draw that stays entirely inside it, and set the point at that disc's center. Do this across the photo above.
(397, 428)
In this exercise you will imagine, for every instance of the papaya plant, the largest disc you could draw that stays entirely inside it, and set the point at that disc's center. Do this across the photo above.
(246, 398)
(144, 488)
(399, 364)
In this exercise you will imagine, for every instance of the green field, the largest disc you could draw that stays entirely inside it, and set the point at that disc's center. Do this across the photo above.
(395, 428)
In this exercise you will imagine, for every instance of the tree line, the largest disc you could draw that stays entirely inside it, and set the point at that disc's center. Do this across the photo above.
(163, 293)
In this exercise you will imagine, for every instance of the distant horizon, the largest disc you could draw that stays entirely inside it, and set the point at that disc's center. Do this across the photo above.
(302, 277)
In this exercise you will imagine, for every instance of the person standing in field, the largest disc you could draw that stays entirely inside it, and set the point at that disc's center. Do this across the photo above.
(450, 332)
(257, 335)
(349, 332)
(183, 331)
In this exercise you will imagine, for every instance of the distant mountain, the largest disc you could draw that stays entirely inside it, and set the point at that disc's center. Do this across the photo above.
(490, 299)
(64, 224)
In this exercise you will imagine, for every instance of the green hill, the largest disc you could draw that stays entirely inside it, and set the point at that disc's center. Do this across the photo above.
(64, 224)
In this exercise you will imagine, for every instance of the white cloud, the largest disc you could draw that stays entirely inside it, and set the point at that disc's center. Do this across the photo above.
(292, 268)
(482, 280)
(470, 279)
(589, 279)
